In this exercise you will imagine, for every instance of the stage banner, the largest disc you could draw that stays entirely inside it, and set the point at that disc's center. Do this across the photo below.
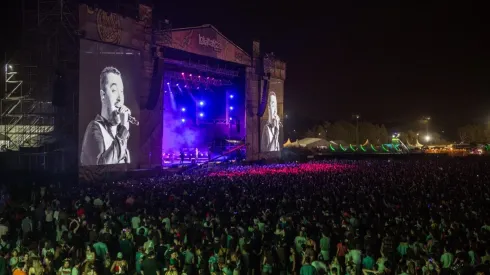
(210, 42)
(113, 28)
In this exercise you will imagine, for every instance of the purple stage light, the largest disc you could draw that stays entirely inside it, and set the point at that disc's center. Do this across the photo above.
(177, 84)
(231, 108)
(168, 83)
(183, 120)
(182, 73)
(231, 118)
(183, 109)
(190, 74)
(185, 86)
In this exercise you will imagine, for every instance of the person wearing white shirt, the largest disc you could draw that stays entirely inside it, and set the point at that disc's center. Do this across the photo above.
(355, 255)
(49, 215)
(135, 222)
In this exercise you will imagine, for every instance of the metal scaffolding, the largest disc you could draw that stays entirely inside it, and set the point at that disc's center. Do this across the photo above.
(49, 45)
(23, 119)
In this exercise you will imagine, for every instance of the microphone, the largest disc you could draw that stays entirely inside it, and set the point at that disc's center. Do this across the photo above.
(131, 119)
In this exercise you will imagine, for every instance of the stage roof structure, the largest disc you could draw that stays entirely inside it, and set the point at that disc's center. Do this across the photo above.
(208, 41)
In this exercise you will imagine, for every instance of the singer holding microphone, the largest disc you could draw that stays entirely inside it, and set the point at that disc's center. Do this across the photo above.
(106, 137)
(270, 131)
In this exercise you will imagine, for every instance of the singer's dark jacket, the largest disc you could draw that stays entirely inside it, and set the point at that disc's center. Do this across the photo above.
(100, 147)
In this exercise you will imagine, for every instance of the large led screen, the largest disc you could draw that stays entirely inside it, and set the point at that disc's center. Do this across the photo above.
(108, 104)
(271, 122)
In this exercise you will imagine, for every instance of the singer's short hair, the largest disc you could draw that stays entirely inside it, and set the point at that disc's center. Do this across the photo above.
(105, 72)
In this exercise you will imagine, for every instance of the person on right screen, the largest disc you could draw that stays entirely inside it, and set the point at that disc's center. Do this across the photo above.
(270, 131)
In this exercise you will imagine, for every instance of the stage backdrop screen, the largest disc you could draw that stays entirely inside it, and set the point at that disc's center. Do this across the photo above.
(271, 122)
(108, 104)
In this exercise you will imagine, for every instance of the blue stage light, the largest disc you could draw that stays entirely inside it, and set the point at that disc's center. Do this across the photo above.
(231, 96)
(231, 118)
(231, 108)
(201, 103)
(183, 120)
(168, 83)
(183, 109)
(201, 114)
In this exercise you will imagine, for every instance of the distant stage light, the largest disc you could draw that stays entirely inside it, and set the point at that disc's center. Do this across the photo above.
(183, 109)
(201, 114)
(168, 83)
(231, 118)
(201, 103)
(183, 120)
(177, 84)
(190, 74)
(231, 96)
(185, 86)
(231, 108)
(182, 73)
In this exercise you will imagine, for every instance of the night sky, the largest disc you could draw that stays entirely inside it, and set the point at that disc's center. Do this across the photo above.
(391, 63)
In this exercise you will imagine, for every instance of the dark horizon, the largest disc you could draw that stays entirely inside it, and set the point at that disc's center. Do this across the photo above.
(390, 64)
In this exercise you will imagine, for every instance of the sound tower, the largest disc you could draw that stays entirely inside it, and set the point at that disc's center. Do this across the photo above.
(156, 82)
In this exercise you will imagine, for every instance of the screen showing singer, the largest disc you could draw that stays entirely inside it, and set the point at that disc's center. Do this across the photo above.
(106, 137)
(271, 129)
(108, 105)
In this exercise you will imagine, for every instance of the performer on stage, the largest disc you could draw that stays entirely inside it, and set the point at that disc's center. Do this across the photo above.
(270, 132)
(106, 137)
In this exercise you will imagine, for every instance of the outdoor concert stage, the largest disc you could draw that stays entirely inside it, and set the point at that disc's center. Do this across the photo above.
(138, 93)
(198, 97)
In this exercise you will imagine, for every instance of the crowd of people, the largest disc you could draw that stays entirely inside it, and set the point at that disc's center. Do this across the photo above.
(339, 218)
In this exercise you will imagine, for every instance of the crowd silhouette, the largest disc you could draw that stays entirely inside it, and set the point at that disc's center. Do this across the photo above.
(338, 217)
